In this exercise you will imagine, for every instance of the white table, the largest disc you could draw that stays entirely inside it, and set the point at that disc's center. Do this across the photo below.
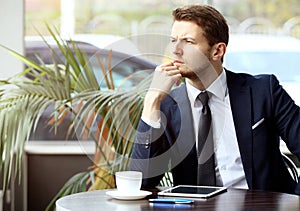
(233, 199)
(97, 200)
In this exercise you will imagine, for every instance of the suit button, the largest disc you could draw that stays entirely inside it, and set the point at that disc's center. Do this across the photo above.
(147, 144)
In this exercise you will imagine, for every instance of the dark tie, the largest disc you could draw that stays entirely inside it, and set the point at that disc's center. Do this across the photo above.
(206, 160)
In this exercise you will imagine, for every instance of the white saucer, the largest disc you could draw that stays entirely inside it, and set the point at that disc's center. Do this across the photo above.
(118, 195)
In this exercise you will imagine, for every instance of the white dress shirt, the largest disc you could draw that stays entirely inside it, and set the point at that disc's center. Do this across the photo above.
(229, 168)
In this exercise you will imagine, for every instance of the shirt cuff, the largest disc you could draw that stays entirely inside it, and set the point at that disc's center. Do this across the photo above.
(154, 124)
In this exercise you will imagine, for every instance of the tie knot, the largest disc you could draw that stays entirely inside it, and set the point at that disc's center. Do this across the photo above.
(203, 97)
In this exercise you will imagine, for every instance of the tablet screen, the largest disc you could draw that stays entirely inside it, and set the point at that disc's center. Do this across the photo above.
(192, 191)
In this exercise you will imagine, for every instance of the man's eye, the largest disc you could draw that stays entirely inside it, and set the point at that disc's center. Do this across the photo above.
(173, 40)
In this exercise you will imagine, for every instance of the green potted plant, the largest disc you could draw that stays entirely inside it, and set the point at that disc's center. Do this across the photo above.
(72, 87)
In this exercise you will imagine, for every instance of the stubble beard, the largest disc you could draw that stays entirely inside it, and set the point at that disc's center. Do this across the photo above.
(199, 73)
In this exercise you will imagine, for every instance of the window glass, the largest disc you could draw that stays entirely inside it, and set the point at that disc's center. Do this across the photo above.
(285, 65)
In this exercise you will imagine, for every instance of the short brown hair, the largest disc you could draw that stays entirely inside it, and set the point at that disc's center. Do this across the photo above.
(208, 18)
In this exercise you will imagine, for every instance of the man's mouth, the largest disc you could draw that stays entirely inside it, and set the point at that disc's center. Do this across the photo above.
(178, 61)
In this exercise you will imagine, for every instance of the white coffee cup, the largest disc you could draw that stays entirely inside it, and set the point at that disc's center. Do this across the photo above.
(129, 182)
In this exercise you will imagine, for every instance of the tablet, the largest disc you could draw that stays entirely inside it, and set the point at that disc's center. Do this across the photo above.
(192, 191)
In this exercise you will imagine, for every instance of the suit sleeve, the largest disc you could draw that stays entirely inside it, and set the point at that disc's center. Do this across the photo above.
(287, 118)
(147, 156)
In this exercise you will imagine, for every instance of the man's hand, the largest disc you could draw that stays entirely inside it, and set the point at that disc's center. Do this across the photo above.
(165, 76)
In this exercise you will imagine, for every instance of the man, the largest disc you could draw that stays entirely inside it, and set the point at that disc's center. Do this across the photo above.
(248, 115)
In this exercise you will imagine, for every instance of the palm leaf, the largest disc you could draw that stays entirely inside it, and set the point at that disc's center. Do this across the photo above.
(107, 117)
(24, 99)
(120, 112)
(21, 108)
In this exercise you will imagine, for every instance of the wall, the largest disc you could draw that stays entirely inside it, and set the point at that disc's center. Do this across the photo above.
(11, 36)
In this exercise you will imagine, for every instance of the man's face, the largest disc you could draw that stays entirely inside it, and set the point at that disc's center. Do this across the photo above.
(190, 47)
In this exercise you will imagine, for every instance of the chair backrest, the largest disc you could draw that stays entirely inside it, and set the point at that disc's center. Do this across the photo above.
(291, 167)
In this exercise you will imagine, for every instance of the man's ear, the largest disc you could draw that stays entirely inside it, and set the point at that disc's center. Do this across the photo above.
(218, 51)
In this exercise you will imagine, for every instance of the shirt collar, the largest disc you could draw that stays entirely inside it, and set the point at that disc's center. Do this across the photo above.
(217, 88)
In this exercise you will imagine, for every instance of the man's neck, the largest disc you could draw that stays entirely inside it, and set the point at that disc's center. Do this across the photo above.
(207, 77)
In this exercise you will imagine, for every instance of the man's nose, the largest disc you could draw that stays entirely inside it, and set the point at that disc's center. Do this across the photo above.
(177, 48)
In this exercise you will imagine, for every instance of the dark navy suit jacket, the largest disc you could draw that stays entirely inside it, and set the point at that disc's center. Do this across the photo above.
(253, 99)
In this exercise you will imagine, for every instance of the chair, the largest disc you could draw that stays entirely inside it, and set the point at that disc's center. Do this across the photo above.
(167, 180)
(291, 167)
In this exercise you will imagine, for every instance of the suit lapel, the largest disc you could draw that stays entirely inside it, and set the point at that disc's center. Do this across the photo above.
(240, 100)
(186, 137)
